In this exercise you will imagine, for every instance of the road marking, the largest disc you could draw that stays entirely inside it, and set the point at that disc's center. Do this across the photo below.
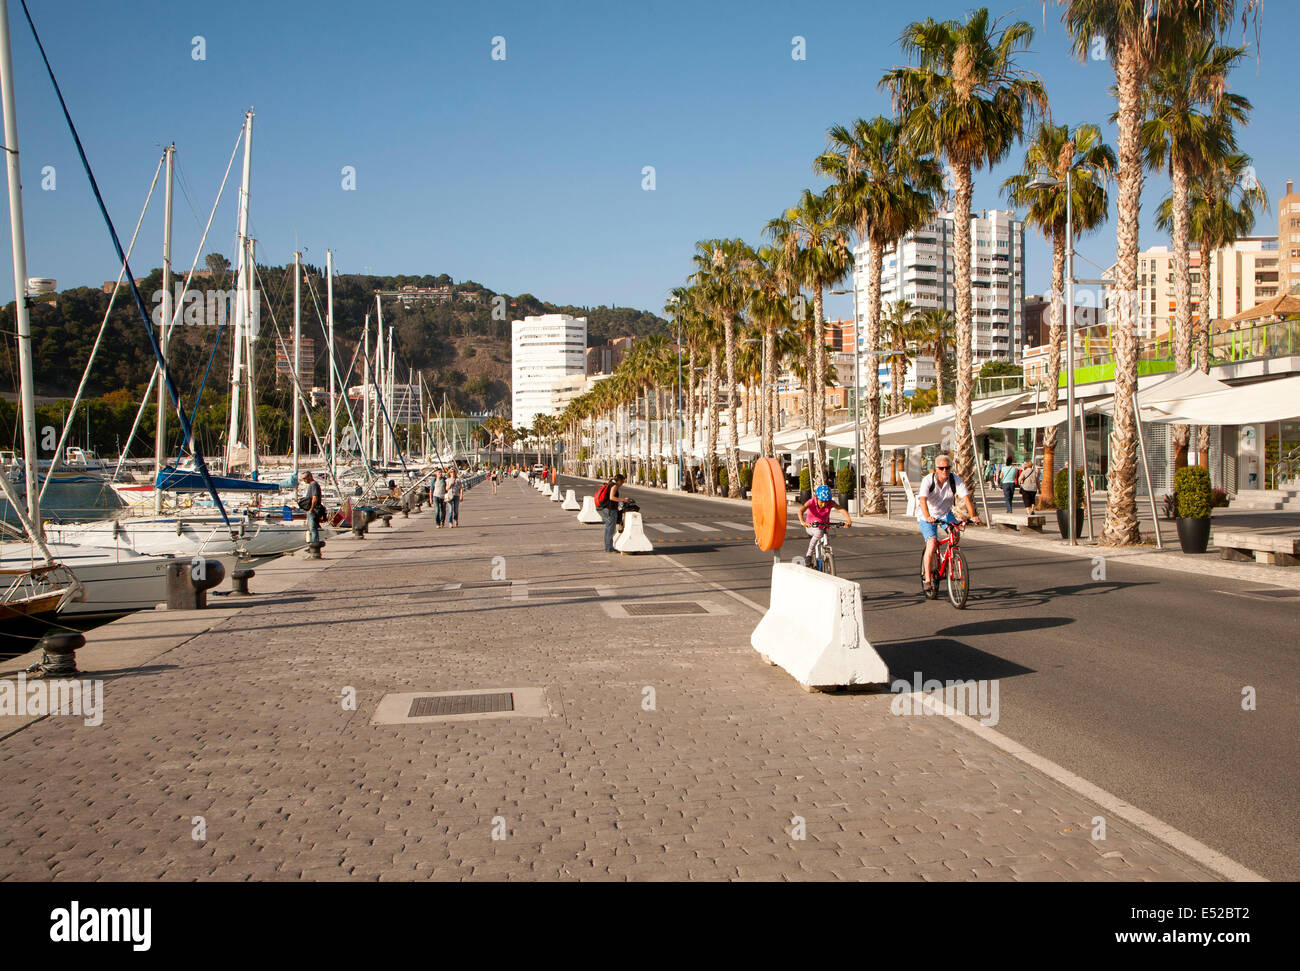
(701, 528)
(661, 527)
(740, 526)
(1180, 841)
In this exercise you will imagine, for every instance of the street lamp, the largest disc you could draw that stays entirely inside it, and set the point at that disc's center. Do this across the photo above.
(1047, 182)
(857, 401)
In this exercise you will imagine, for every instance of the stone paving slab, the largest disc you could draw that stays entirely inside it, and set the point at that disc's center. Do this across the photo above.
(241, 757)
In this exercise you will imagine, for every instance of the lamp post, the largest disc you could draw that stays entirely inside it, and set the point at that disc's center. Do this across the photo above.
(1045, 182)
(857, 402)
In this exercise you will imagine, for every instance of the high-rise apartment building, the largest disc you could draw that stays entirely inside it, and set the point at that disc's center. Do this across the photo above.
(1238, 277)
(542, 351)
(921, 268)
(306, 361)
(1288, 240)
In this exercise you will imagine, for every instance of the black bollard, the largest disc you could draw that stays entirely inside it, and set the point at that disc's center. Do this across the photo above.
(314, 548)
(240, 580)
(59, 654)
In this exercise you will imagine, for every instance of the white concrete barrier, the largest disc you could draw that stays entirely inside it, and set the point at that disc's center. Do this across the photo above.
(590, 514)
(555, 493)
(570, 501)
(813, 629)
(633, 538)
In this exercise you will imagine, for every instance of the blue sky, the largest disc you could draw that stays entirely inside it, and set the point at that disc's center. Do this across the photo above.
(523, 174)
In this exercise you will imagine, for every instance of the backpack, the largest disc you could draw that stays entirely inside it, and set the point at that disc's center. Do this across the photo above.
(602, 495)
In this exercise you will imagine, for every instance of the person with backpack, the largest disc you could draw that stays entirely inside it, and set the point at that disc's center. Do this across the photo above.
(607, 499)
(1010, 479)
(315, 508)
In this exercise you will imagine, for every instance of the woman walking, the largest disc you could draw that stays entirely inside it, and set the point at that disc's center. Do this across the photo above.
(439, 492)
(1029, 484)
(1010, 477)
(453, 498)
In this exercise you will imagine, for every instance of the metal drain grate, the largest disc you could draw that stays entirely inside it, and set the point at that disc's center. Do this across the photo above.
(563, 592)
(664, 609)
(429, 707)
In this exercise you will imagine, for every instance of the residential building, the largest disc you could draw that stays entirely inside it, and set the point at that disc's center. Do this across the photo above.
(921, 268)
(402, 409)
(573, 386)
(839, 336)
(604, 358)
(1241, 275)
(306, 361)
(1288, 239)
(543, 350)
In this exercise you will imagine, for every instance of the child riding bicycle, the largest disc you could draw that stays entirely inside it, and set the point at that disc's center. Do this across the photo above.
(818, 510)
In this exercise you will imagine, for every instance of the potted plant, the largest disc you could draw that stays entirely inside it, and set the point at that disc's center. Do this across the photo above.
(1061, 486)
(1171, 506)
(844, 485)
(1192, 490)
(746, 480)
(722, 479)
(805, 485)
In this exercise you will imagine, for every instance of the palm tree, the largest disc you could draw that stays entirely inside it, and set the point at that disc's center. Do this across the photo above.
(934, 337)
(1136, 35)
(1080, 159)
(898, 333)
(1189, 131)
(967, 100)
(720, 268)
(883, 190)
(1221, 209)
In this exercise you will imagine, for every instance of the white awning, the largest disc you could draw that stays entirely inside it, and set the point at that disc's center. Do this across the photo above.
(905, 431)
(1276, 400)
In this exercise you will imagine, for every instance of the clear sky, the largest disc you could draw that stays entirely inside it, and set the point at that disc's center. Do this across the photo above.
(524, 174)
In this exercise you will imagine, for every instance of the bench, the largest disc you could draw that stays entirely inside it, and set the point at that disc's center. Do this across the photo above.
(1272, 545)
(1020, 520)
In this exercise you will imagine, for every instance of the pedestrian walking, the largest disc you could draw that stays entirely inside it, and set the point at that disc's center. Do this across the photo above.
(607, 500)
(494, 482)
(439, 493)
(453, 498)
(314, 506)
(1010, 475)
(1029, 484)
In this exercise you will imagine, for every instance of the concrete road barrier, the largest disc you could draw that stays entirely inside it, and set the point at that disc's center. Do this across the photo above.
(555, 494)
(813, 629)
(590, 514)
(633, 538)
(570, 501)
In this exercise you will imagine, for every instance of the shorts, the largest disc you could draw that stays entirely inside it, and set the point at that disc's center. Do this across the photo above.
(931, 530)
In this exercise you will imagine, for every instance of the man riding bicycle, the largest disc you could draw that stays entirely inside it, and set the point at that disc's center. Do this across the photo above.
(818, 510)
(934, 501)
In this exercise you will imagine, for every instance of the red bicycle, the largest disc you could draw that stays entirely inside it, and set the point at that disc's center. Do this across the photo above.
(951, 566)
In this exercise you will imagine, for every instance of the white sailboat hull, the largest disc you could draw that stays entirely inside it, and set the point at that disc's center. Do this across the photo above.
(113, 582)
(198, 536)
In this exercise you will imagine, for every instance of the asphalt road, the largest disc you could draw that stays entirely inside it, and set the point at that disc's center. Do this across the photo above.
(1134, 683)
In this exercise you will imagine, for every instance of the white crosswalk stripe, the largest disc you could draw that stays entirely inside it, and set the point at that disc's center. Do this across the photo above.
(701, 528)
(661, 527)
(734, 525)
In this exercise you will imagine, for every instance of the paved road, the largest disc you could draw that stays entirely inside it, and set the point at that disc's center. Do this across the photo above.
(1134, 683)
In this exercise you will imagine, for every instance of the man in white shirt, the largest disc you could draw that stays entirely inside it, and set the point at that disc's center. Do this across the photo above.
(938, 493)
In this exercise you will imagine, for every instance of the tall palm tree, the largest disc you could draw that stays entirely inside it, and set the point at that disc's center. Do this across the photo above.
(1136, 35)
(898, 333)
(1190, 116)
(1081, 159)
(967, 100)
(934, 335)
(720, 268)
(1221, 209)
(883, 190)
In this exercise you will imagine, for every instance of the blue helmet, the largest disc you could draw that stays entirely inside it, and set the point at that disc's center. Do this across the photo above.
(823, 493)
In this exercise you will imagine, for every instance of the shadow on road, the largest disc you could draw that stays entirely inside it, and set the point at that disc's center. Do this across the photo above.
(944, 659)
(1008, 626)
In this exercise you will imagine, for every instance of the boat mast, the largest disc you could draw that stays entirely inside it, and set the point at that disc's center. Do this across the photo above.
(297, 357)
(241, 295)
(250, 330)
(381, 433)
(21, 315)
(329, 337)
(365, 395)
(164, 329)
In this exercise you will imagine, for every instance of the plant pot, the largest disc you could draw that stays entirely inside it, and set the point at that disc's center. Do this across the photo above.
(838, 499)
(804, 496)
(1193, 534)
(1063, 524)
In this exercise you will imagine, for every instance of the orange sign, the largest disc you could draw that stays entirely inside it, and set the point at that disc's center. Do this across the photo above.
(768, 499)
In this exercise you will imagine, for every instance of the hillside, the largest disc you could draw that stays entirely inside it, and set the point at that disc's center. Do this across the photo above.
(456, 345)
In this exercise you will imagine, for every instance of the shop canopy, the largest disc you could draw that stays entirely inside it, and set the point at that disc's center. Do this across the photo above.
(1266, 401)
(1155, 391)
(905, 431)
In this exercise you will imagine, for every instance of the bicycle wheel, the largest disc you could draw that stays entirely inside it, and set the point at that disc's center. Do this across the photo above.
(828, 562)
(958, 580)
(934, 580)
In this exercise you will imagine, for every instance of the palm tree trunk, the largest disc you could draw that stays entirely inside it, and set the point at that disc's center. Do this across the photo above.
(649, 455)
(819, 386)
(711, 459)
(690, 398)
(1054, 336)
(1182, 291)
(767, 409)
(873, 490)
(963, 445)
(1121, 527)
(1208, 310)
(733, 432)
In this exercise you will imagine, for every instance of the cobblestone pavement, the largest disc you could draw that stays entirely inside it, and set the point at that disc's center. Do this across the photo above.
(670, 751)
